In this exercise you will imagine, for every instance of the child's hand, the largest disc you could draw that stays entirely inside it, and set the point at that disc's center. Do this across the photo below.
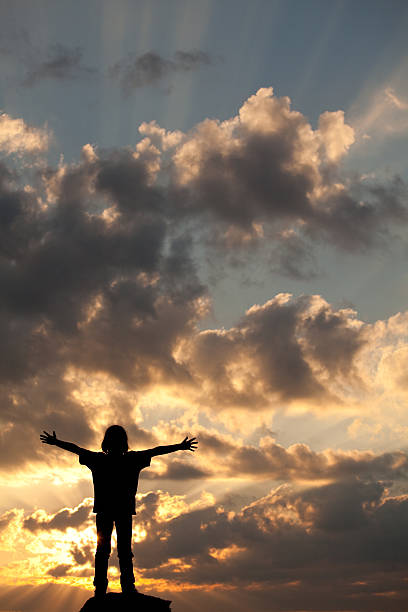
(188, 444)
(47, 438)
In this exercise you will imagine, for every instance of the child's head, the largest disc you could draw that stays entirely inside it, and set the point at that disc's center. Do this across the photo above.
(115, 440)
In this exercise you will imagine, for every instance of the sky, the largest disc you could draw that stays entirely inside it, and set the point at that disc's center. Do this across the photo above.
(204, 232)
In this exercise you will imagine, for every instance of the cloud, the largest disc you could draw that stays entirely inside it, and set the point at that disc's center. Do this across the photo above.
(223, 457)
(17, 137)
(84, 555)
(102, 319)
(159, 137)
(67, 281)
(134, 72)
(6, 518)
(299, 462)
(293, 256)
(59, 570)
(284, 350)
(270, 156)
(180, 470)
(292, 541)
(92, 279)
(41, 402)
(62, 63)
(383, 113)
(100, 273)
(61, 520)
(337, 136)
(300, 351)
(398, 102)
(337, 534)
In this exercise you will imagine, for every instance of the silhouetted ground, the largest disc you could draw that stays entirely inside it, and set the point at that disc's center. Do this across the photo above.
(117, 602)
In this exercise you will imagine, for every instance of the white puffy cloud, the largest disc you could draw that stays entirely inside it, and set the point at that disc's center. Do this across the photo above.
(16, 136)
(337, 136)
(160, 137)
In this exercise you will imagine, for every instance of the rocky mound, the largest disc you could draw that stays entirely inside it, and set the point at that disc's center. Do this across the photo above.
(117, 602)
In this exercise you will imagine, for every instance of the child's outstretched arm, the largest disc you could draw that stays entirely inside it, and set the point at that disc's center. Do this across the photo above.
(186, 444)
(47, 438)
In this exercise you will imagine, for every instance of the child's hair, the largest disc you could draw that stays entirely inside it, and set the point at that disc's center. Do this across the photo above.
(115, 439)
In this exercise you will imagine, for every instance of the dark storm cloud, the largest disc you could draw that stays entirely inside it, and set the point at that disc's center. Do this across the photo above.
(62, 63)
(60, 520)
(136, 434)
(18, 215)
(42, 402)
(342, 534)
(266, 172)
(72, 257)
(180, 470)
(102, 294)
(141, 347)
(180, 270)
(59, 570)
(104, 278)
(134, 72)
(274, 348)
(338, 534)
(331, 341)
(292, 542)
(125, 178)
(221, 457)
(83, 556)
(255, 173)
(356, 224)
(299, 462)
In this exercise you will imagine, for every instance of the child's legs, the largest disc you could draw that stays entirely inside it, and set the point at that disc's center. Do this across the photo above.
(124, 538)
(104, 526)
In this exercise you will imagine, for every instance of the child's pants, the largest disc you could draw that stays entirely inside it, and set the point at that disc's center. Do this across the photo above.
(104, 527)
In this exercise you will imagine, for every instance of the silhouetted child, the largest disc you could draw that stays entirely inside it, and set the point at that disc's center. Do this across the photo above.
(115, 474)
